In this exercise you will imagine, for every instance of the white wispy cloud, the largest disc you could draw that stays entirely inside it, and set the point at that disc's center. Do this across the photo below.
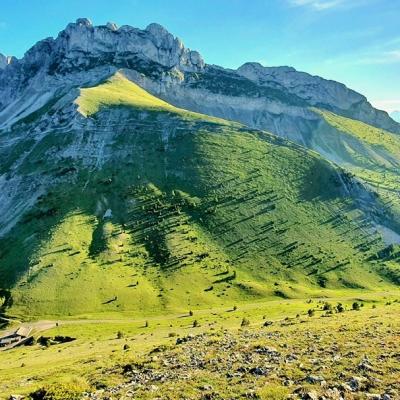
(387, 105)
(321, 5)
(317, 4)
(382, 52)
(393, 55)
(376, 58)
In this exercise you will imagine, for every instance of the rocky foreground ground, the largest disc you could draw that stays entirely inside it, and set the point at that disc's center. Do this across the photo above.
(354, 355)
(326, 353)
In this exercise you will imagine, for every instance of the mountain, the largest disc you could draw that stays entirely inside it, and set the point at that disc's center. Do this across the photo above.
(395, 115)
(135, 177)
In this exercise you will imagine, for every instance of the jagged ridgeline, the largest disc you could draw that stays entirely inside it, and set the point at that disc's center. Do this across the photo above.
(146, 207)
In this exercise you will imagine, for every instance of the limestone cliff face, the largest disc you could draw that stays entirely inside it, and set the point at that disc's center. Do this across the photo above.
(84, 54)
(318, 92)
(277, 99)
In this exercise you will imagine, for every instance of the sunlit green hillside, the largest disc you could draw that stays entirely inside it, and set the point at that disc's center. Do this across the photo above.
(157, 209)
(371, 154)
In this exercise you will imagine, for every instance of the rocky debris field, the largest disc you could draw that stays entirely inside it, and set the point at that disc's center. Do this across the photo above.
(326, 358)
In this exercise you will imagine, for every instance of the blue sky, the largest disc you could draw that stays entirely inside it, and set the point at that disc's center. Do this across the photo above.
(356, 42)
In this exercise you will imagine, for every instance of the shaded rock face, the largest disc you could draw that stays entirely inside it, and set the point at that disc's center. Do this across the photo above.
(3, 61)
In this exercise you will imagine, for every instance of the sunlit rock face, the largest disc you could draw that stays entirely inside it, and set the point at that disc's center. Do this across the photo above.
(84, 54)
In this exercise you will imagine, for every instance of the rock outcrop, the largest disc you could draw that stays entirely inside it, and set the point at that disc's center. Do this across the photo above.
(5, 60)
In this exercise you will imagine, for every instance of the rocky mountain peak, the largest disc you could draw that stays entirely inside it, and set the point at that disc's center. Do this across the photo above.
(84, 22)
(6, 60)
(83, 54)
(254, 70)
(107, 42)
(83, 45)
(112, 26)
(312, 89)
(158, 30)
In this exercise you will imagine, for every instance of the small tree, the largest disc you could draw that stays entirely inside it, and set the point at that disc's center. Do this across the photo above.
(234, 308)
(146, 324)
(327, 307)
(356, 306)
(310, 312)
(195, 323)
(245, 322)
(191, 313)
(340, 308)
(120, 335)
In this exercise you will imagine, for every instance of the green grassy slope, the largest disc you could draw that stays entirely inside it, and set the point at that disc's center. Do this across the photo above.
(118, 91)
(371, 154)
(181, 211)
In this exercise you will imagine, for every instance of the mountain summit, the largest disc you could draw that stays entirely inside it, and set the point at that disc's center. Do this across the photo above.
(131, 168)
(83, 54)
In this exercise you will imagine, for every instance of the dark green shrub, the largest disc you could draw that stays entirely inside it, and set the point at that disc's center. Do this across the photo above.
(340, 308)
(327, 307)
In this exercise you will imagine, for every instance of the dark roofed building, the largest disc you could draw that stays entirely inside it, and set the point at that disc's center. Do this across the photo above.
(20, 334)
